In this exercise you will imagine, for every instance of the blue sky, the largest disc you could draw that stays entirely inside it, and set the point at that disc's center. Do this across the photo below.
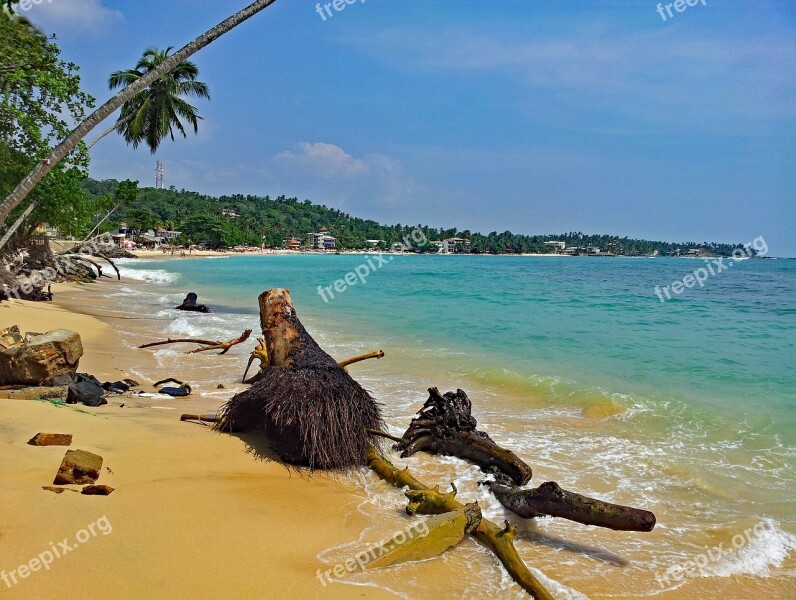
(538, 117)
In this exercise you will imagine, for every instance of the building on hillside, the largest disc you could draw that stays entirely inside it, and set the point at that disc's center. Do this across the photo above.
(321, 240)
(291, 243)
(230, 213)
(557, 245)
(456, 246)
(166, 235)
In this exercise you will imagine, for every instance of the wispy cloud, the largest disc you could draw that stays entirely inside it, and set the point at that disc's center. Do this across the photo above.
(70, 17)
(327, 169)
(663, 76)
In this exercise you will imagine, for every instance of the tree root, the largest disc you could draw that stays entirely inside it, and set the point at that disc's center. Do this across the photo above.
(446, 426)
(425, 500)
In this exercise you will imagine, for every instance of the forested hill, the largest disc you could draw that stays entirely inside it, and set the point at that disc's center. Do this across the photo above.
(201, 218)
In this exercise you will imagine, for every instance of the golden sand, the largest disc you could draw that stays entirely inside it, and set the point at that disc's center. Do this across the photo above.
(194, 513)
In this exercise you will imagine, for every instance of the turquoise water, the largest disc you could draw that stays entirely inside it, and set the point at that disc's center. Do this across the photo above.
(686, 408)
(728, 349)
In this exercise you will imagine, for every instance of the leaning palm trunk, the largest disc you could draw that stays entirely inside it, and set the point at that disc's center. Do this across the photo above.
(107, 109)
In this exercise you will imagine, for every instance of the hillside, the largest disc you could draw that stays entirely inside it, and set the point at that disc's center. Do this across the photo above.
(201, 219)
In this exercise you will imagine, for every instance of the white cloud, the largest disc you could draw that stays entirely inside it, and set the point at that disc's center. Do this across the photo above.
(71, 16)
(323, 169)
(324, 159)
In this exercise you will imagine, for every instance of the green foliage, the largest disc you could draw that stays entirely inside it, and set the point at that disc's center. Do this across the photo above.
(200, 218)
(40, 101)
(154, 114)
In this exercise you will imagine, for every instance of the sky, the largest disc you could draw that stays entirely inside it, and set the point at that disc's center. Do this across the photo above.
(525, 115)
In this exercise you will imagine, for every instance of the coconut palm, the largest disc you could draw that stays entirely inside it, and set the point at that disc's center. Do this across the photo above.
(155, 112)
(106, 110)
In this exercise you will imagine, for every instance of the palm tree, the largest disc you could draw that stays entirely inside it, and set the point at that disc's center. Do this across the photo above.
(25, 186)
(155, 112)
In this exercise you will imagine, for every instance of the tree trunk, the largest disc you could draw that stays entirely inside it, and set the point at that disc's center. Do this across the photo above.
(310, 408)
(424, 500)
(107, 109)
(17, 223)
(552, 500)
(446, 426)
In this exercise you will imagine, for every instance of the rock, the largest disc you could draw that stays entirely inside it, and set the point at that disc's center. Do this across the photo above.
(51, 439)
(58, 393)
(56, 490)
(177, 392)
(86, 389)
(79, 468)
(10, 337)
(97, 490)
(40, 359)
(221, 386)
(190, 304)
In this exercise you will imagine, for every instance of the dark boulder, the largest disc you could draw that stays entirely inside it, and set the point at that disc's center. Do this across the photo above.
(190, 304)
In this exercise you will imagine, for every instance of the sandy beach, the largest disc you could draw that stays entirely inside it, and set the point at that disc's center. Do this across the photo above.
(194, 512)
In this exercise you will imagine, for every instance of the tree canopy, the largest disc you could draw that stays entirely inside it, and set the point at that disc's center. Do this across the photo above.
(238, 219)
(40, 101)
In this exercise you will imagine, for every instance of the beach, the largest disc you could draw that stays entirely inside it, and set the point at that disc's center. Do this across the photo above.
(199, 512)
(193, 512)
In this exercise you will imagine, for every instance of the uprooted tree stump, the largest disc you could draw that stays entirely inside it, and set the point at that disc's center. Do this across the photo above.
(309, 407)
(446, 426)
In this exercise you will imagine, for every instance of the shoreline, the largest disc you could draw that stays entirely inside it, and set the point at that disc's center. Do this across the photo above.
(175, 478)
(193, 511)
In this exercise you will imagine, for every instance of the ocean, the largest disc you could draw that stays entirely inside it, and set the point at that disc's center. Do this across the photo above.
(685, 407)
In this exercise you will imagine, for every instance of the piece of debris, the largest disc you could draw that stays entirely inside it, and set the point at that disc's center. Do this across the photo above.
(51, 439)
(190, 304)
(79, 468)
(56, 490)
(221, 386)
(97, 490)
(86, 389)
(177, 392)
(39, 359)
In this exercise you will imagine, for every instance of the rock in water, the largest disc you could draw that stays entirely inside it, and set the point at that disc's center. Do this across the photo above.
(41, 359)
(79, 468)
(51, 439)
(190, 304)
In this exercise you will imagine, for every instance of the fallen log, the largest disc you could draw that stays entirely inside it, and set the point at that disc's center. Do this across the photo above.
(446, 426)
(206, 345)
(550, 499)
(425, 500)
(309, 407)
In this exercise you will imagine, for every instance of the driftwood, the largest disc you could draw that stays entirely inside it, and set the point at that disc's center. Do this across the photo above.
(425, 500)
(446, 426)
(550, 499)
(206, 345)
(377, 355)
(309, 407)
